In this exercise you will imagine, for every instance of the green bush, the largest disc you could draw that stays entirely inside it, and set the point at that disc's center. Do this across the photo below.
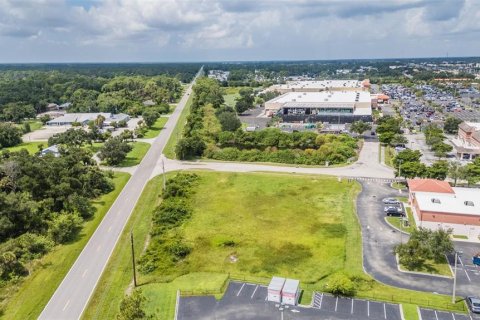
(340, 284)
(65, 227)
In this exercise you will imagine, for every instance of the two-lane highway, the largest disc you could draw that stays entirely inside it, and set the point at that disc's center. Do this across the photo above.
(71, 297)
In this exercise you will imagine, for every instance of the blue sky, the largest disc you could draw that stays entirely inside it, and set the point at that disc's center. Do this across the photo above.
(208, 30)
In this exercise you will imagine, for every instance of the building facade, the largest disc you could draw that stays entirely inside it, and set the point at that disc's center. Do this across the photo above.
(467, 142)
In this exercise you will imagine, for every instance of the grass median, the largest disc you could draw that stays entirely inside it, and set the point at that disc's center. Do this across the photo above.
(29, 297)
(250, 227)
(177, 132)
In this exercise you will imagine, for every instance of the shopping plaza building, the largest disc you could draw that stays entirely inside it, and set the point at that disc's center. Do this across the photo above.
(322, 85)
(336, 107)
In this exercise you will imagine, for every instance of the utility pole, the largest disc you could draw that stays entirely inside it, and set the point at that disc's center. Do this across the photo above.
(164, 177)
(455, 277)
(133, 260)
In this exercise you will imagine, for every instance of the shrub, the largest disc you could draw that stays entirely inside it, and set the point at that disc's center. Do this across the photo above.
(65, 227)
(340, 284)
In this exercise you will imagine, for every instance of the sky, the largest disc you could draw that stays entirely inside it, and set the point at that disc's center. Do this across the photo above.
(235, 30)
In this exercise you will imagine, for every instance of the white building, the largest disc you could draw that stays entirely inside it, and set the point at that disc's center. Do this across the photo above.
(326, 106)
(322, 85)
(85, 118)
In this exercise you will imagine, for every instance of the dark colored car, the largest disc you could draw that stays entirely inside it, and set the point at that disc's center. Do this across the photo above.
(394, 211)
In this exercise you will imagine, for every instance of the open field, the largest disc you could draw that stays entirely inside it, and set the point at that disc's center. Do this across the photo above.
(169, 150)
(156, 128)
(31, 295)
(265, 215)
(31, 147)
(135, 156)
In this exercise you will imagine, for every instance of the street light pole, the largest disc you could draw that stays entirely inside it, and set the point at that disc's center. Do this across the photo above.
(457, 253)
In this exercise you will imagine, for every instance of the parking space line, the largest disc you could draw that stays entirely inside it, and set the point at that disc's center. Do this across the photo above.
(467, 275)
(351, 311)
(243, 285)
(321, 299)
(453, 316)
(368, 308)
(254, 292)
(436, 316)
(384, 311)
(336, 304)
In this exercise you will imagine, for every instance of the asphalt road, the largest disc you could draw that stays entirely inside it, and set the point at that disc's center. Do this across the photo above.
(73, 294)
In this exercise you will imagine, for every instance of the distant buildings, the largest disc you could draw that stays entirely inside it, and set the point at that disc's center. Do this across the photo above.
(437, 205)
(85, 118)
(219, 75)
(337, 107)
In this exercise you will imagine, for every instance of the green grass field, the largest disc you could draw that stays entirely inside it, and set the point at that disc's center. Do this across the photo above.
(29, 297)
(169, 150)
(410, 312)
(287, 225)
(31, 147)
(156, 128)
(135, 156)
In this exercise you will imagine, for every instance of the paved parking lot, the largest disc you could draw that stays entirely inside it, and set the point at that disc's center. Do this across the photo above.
(428, 314)
(357, 308)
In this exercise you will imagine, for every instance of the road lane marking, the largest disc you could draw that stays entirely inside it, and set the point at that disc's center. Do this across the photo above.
(351, 311)
(368, 308)
(453, 316)
(84, 273)
(336, 304)
(66, 305)
(254, 292)
(384, 311)
(436, 317)
(240, 290)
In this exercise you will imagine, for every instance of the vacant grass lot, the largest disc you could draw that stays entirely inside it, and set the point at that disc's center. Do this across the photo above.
(135, 156)
(154, 130)
(30, 296)
(31, 147)
(177, 132)
(290, 225)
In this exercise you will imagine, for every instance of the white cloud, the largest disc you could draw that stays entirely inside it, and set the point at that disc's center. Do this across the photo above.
(233, 29)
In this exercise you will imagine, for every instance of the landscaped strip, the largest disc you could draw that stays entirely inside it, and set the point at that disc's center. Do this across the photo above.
(135, 156)
(154, 130)
(177, 132)
(35, 291)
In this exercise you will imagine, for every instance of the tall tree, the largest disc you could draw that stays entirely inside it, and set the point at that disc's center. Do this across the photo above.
(360, 127)
(114, 151)
(131, 307)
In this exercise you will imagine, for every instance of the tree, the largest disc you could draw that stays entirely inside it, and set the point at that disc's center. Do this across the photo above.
(150, 116)
(441, 149)
(114, 151)
(412, 170)
(438, 170)
(472, 171)
(45, 118)
(10, 135)
(360, 127)
(340, 284)
(71, 138)
(398, 139)
(229, 121)
(99, 121)
(65, 227)
(451, 125)
(407, 155)
(245, 101)
(386, 137)
(189, 147)
(440, 244)
(455, 171)
(131, 307)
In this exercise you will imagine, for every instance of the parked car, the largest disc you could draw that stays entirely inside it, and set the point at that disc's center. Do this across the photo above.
(474, 304)
(390, 201)
(394, 211)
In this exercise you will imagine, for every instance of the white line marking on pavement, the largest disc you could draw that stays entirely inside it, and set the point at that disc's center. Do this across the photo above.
(336, 303)
(368, 308)
(243, 285)
(266, 297)
(321, 299)
(351, 310)
(384, 311)
(282, 315)
(453, 316)
(254, 292)
(66, 305)
(436, 317)
(84, 273)
(461, 262)
(467, 275)
(109, 229)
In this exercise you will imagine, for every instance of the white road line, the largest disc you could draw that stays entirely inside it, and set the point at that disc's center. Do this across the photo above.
(254, 292)
(266, 297)
(436, 316)
(467, 275)
(453, 316)
(321, 299)
(384, 311)
(109, 229)
(461, 262)
(368, 308)
(243, 285)
(336, 304)
(66, 305)
(351, 310)
(84, 273)
(282, 315)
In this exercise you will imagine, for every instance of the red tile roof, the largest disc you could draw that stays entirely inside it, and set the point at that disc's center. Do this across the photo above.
(429, 185)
